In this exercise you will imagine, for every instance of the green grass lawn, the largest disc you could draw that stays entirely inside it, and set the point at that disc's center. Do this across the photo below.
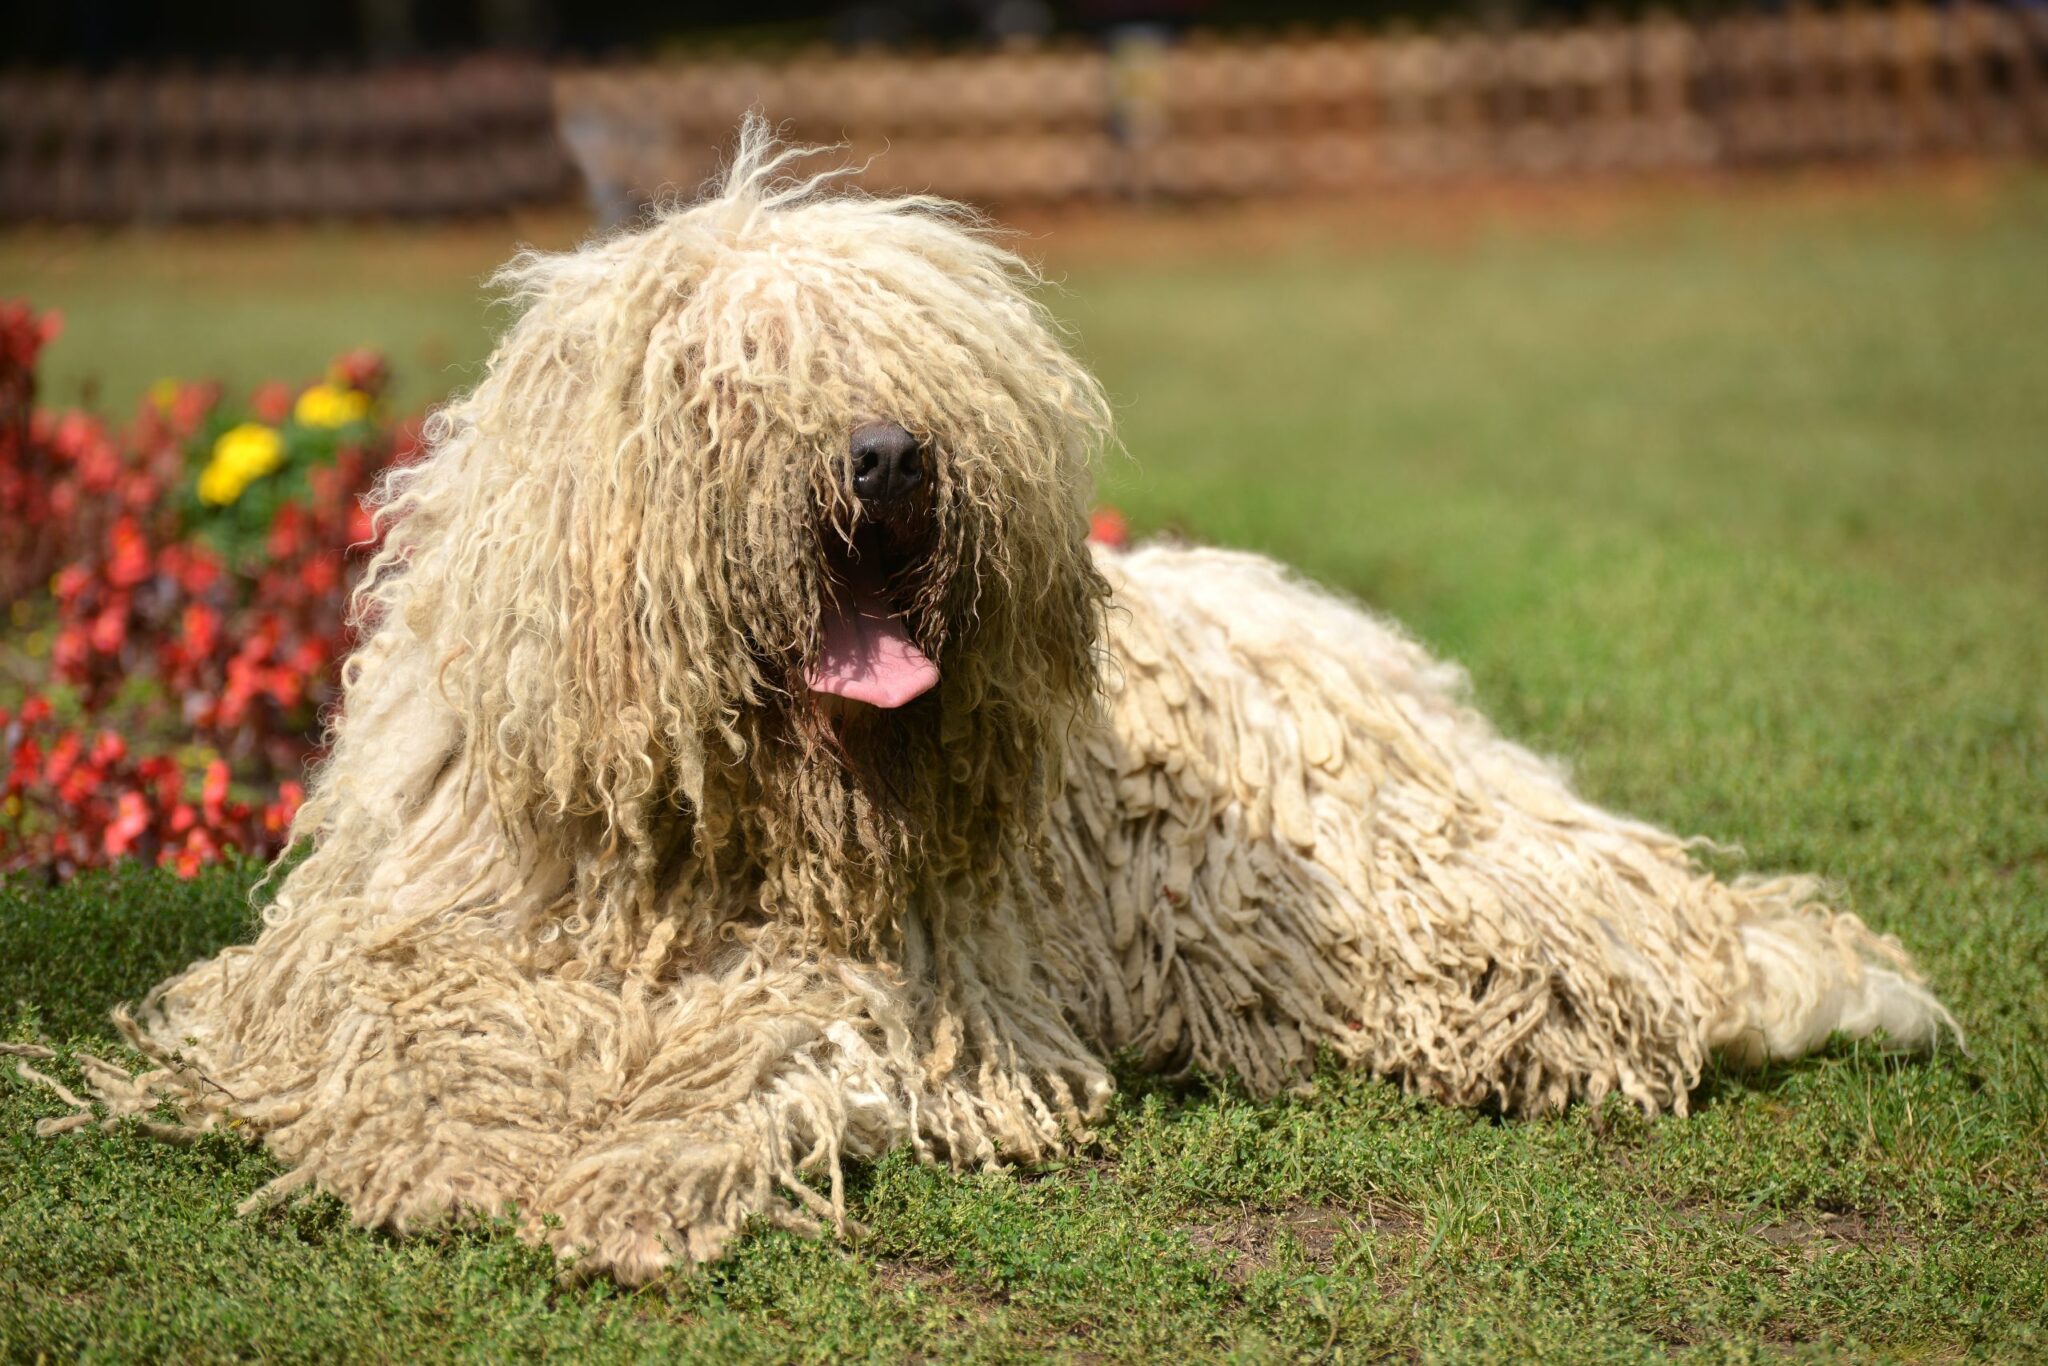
(245, 305)
(1743, 510)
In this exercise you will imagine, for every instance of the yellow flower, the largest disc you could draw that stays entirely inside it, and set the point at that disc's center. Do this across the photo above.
(243, 455)
(163, 394)
(330, 405)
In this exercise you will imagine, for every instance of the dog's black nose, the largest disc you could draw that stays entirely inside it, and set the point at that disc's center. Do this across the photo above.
(888, 466)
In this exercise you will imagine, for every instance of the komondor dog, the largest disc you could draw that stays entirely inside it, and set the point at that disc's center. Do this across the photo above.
(749, 765)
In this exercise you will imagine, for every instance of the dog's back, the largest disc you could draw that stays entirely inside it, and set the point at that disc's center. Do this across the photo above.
(1291, 833)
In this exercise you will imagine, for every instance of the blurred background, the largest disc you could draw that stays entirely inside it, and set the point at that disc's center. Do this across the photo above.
(1552, 328)
(505, 120)
(209, 147)
(153, 114)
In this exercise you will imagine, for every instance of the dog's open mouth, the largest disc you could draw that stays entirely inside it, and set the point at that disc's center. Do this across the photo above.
(865, 653)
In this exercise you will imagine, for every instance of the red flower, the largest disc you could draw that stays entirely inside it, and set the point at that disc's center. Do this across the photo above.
(362, 526)
(190, 408)
(131, 820)
(70, 652)
(198, 849)
(160, 773)
(71, 581)
(109, 749)
(214, 795)
(361, 369)
(287, 531)
(140, 491)
(201, 629)
(74, 432)
(129, 563)
(28, 761)
(195, 568)
(99, 468)
(110, 627)
(272, 402)
(62, 756)
(320, 574)
(277, 817)
(1106, 526)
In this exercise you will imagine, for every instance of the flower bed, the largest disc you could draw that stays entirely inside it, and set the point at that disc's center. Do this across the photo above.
(176, 593)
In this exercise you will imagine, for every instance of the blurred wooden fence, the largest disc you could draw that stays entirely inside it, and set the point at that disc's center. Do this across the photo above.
(1201, 117)
(1212, 116)
(472, 135)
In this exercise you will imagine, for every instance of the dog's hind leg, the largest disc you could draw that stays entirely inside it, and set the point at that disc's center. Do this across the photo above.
(1812, 975)
(1292, 835)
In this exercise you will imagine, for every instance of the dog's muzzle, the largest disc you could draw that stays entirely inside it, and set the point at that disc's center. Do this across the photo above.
(865, 652)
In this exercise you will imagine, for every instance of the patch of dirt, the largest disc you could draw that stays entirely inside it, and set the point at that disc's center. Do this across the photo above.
(1251, 1240)
(967, 1304)
(1823, 1231)
(1808, 1235)
(895, 1276)
(2036, 863)
(1817, 1230)
(1065, 1168)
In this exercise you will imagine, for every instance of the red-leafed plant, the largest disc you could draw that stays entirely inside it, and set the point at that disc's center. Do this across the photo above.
(176, 608)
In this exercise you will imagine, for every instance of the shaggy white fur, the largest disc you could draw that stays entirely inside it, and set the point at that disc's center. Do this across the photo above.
(603, 914)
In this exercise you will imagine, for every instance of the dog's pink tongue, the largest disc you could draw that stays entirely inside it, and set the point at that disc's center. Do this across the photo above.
(866, 655)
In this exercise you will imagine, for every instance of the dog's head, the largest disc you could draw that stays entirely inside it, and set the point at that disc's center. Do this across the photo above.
(771, 513)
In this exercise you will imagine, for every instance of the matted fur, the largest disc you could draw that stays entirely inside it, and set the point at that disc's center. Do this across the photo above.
(605, 918)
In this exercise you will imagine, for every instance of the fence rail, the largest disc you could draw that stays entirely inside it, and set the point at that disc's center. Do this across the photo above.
(473, 135)
(1215, 116)
(1205, 117)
